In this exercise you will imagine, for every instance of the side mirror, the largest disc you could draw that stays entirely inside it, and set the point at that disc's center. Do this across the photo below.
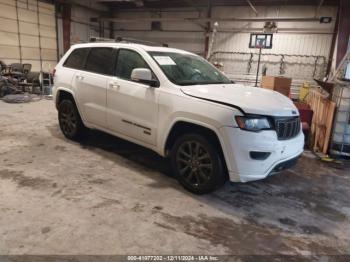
(143, 75)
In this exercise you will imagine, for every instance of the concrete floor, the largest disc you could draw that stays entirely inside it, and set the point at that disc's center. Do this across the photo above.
(108, 196)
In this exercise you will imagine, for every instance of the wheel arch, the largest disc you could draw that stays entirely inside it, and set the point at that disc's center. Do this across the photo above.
(62, 93)
(182, 126)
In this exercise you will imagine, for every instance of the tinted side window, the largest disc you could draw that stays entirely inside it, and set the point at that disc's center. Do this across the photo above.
(127, 61)
(100, 60)
(77, 58)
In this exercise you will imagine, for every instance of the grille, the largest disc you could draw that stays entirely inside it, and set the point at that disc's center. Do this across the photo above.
(287, 128)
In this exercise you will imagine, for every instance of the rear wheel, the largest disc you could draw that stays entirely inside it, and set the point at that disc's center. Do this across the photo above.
(197, 164)
(69, 119)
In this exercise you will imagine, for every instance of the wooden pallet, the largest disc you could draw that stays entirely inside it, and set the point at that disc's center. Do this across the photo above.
(322, 120)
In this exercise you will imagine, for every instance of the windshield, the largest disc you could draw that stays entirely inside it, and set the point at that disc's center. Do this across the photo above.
(187, 69)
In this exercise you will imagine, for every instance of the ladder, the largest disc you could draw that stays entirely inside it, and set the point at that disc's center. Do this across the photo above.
(45, 83)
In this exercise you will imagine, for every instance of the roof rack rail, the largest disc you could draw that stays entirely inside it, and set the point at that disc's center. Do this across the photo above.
(127, 40)
(138, 41)
(100, 39)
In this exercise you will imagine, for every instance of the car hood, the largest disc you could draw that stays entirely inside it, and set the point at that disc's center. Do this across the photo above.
(252, 100)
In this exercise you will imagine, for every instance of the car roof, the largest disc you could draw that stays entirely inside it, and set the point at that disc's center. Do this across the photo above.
(147, 48)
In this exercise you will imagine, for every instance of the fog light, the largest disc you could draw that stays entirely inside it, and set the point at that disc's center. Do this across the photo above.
(259, 155)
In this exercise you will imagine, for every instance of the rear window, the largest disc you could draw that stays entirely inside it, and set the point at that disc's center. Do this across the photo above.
(77, 58)
(101, 61)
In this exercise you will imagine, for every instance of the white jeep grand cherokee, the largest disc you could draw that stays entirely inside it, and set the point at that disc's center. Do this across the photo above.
(179, 105)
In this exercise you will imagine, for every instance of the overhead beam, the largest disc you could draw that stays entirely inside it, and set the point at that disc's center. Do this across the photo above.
(212, 19)
(240, 30)
(203, 4)
(90, 5)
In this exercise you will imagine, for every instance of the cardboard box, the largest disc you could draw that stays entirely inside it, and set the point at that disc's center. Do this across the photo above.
(279, 84)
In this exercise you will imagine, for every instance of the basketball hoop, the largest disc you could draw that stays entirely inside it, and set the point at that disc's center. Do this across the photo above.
(261, 41)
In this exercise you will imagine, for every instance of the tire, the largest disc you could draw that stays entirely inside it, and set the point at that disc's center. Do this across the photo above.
(5, 90)
(69, 120)
(197, 164)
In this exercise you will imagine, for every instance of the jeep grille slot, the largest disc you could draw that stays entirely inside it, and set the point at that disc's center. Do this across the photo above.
(287, 128)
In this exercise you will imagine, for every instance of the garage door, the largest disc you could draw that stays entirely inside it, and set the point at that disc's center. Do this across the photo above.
(28, 33)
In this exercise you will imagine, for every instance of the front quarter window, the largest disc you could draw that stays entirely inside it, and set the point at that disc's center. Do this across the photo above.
(186, 69)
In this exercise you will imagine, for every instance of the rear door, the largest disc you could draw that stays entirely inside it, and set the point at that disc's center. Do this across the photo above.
(132, 106)
(65, 74)
(91, 84)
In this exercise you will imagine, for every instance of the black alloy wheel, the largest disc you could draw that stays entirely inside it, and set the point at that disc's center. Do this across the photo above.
(69, 119)
(197, 164)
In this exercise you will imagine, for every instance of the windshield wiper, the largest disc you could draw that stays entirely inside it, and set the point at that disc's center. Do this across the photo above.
(188, 83)
(218, 83)
(200, 83)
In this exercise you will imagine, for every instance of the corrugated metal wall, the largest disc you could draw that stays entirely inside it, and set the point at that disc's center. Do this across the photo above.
(183, 35)
(300, 49)
(81, 26)
(28, 33)
(310, 42)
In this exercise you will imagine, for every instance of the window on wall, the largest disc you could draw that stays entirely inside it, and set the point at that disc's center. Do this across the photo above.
(101, 61)
(127, 61)
(77, 58)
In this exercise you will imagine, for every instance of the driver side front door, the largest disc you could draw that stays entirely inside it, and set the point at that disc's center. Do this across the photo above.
(132, 107)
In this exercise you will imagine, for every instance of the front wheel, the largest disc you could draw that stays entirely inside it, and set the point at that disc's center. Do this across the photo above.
(197, 164)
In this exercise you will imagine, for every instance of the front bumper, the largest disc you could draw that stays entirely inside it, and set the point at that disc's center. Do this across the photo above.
(238, 144)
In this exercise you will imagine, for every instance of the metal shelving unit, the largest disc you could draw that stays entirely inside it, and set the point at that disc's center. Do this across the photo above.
(340, 144)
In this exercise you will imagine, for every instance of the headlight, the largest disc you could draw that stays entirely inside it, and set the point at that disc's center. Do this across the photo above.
(253, 123)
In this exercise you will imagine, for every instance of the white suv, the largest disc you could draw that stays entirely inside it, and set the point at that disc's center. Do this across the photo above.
(179, 105)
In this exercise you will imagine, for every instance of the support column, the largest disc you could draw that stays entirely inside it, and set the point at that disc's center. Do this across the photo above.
(111, 30)
(343, 29)
(66, 22)
(207, 31)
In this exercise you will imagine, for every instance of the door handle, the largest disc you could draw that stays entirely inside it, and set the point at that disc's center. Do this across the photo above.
(114, 85)
(79, 77)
